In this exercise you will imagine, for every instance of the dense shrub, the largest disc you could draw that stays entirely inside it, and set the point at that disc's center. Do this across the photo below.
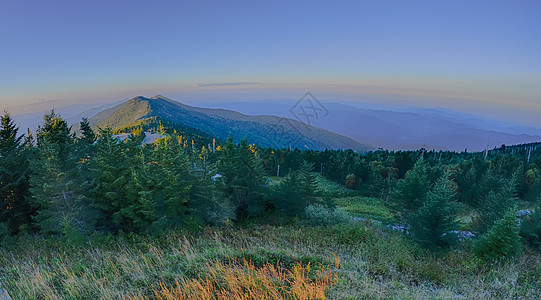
(351, 181)
(501, 241)
(531, 228)
(319, 215)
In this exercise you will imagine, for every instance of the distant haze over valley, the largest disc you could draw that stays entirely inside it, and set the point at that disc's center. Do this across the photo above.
(405, 128)
(374, 125)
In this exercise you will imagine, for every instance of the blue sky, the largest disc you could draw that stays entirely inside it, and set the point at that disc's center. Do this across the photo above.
(468, 52)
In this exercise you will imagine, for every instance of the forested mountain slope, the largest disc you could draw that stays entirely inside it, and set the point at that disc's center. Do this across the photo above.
(264, 131)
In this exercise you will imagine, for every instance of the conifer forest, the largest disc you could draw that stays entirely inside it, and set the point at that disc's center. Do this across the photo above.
(88, 215)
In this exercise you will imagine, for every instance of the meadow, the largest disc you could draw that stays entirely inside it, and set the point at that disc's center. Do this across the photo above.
(326, 255)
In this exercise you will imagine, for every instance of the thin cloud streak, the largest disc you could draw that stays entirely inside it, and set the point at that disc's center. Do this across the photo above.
(223, 84)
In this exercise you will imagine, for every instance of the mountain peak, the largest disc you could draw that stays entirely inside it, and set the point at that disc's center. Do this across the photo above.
(140, 98)
(160, 97)
(150, 100)
(261, 130)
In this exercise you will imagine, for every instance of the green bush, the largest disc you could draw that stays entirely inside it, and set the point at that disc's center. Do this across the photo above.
(352, 233)
(370, 208)
(531, 228)
(5, 238)
(319, 215)
(501, 241)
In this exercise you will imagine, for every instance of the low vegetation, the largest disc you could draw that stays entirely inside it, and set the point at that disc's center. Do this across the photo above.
(93, 217)
(346, 261)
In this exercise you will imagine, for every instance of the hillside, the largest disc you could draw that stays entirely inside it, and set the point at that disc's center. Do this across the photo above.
(264, 131)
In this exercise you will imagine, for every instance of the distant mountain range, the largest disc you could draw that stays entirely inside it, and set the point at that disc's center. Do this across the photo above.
(264, 131)
(271, 123)
(405, 129)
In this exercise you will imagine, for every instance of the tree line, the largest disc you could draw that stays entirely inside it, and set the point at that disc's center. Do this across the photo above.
(58, 183)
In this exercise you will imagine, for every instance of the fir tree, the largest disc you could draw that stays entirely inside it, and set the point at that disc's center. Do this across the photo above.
(435, 222)
(109, 168)
(501, 241)
(308, 180)
(58, 191)
(84, 151)
(15, 210)
(175, 183)
(244, 178)
(530, 229)
(289, 197)
(138, 212)
(87, 134)
(227, 162)
(497, 200)
(533, 183)
(410, 192)
(248, 187)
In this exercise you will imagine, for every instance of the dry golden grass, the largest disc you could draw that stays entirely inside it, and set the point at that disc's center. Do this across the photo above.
(243, 280)
(388, 266)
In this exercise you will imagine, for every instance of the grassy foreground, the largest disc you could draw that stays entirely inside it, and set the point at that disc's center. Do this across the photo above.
(346, 261)
(300, 260)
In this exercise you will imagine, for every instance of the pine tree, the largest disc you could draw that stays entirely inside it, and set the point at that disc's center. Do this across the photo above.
(15, 210)
(435, 221)
(410, 192)
(501, 241)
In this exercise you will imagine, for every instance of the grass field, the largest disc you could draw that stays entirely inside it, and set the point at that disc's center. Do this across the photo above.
(369, 262)
(346, 260)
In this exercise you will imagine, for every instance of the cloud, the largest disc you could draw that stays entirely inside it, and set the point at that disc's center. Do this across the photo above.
(218, 84)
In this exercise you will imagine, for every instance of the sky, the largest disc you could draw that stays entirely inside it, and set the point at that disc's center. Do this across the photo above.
(475, 56)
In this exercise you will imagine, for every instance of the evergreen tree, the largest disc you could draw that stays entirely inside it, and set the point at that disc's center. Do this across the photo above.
(15, 210)
(533, 183)
(380, 180)
(497, 200)
(174, 184)
(250, 182)
(211, 199)
(138, 212)
(227, 162)
(501, 241)
(111, 173)
(435, 222)
(289, 196)
(530, 229)
(85, 151)
(87, 134)
(244, 178)
(308, 180)
(58, 191)
(410, 192)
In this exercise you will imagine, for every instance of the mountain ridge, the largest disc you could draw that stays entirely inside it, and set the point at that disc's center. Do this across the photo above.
(264, 131)
(407, 129)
